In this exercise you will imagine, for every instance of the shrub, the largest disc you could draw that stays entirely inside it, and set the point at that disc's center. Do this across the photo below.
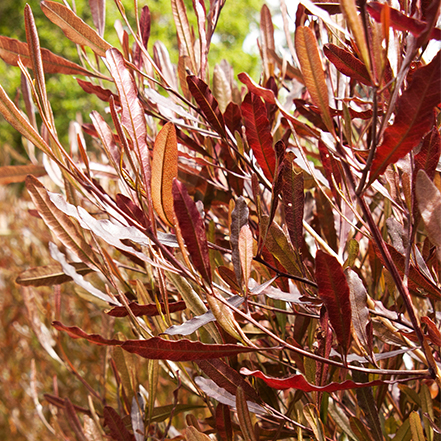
(262, 258)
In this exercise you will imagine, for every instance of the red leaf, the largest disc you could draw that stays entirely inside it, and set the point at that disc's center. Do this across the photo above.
(149, 310)
(207, 103)
(334, 291)
(347, 63)
(402, 22)
(102, 94)
(300, 382)
(258, 131)
(113, 421)
(428, 157)
(233, 117)
(266, 94)
(224, 427)
(157, 348)
(98, 10)
(413, 117)
(432, 331)
(192, 229)
(76, 332)
(144, 27)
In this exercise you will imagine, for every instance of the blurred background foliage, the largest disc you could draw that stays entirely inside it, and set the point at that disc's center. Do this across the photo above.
(26, 370)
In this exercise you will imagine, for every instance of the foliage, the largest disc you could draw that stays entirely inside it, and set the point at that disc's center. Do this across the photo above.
(216, 243)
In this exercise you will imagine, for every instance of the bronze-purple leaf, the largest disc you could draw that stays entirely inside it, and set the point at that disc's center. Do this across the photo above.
(148, 310)
(192, 229)
(333, 289)
(116, 425)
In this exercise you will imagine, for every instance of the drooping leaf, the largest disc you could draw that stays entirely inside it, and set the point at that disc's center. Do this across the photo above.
(299, 382)
(347, 63)
(116, 425)
(182, 350)
(58, 222)
(192, 229)
(11, 49)
(413, 117)
(207, 103)
(195, 323)
(49, 275)
(293, 201)
(149, 310)
(76, 332)
(429, 203)
(220, 394)
(334, 291)
(103, 94)
(74, 27)
(132, 118)
(258, 132)
(78, 278)
(164, 170)
(17, 173)
(227, 378)
(312, 70)
(401, 22)
(98, 10)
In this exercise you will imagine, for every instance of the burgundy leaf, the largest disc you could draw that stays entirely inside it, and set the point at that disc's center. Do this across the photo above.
(401, 22)
(60, 403)
(98, 10)
(113, 421)
(73, 420)
(267, 94)
(227, 378)
(293, 201)
(130, 208)
(417, 280)
(330, 167)
(232, 117)
(207, 103)
(413, 117)
(347, 63)
(432, 331)
(299, 382)
(144, 28)
(157, 348)
(76, 332)
(149, 310)
(11, 49)
(428, 157)
(224, 427)
(334, 291)
(192, 229)
(103, 94)
(258, 131)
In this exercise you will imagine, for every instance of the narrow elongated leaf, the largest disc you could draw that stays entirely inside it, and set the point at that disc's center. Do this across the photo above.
(227, 378)
(400, 21)
(103, 94)
(347, 63)
(18, 173)
(58, 222)
(116, 425)
(224, 427)
(197, 322)
(144, 29)
(428, 157)
(258, 132)
(164, 170)
(207, 103)
(149, 310)
(246, 251)
(413, 117)
(293, 201)
(349, 9)
(185, 39)
(11, 49)
(312, 70)
(133, 118)
(299, 382)
(334, 291)
(137, 417)
(220, 394)
(311, 415)
(239, 218)
(192, 228)
(76, 332)
(182, 350)
(221, 88)
(244, 417)
(359, 309)
(360, 430)
(73, 27)
(98, 10)
(432, 330)
(78, 278)
(429, 203)
(50, 275)
(73, 420)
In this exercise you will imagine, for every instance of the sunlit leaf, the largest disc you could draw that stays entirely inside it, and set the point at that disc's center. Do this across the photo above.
(246, 251)
(98, 10)
(164, 170)
(312, 70)
(18, 173)
(413, 117)
(334, 291)
(74, 27)
(416, 427)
